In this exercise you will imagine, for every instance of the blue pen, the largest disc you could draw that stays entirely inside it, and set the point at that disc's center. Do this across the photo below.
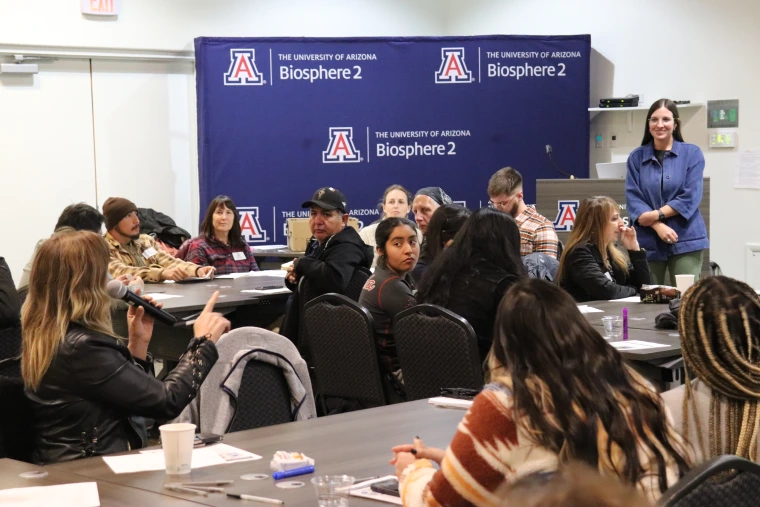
(292, 473)
(625, 323)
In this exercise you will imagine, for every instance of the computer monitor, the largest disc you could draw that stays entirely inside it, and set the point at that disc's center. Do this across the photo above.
(611, 170)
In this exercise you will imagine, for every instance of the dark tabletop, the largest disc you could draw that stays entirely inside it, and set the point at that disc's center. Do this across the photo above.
(357, 444)
(285, 253)
(109, 492)
(640, 327)
(195, 295)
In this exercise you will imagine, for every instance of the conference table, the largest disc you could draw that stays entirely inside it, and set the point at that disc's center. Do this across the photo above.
(110, 493)
(185, 300)
(273, 258)
(357, 444)
(661, 364)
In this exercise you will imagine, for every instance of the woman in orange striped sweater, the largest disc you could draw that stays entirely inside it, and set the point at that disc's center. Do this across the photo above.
(559, 393)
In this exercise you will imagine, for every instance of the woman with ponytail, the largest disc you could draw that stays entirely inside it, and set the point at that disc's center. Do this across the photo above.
(717, 407)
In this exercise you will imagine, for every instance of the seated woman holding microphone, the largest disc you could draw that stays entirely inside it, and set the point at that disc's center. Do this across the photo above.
(591, 267)
(220, 243)
(89, 390)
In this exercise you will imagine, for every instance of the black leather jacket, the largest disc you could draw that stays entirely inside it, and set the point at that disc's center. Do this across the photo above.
(94, 396)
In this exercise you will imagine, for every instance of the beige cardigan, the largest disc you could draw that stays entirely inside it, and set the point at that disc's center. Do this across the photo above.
(674, 402)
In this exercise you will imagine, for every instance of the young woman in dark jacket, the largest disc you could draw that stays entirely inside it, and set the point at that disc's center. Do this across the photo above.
(89, 390)
(391, 288)
(472, 275)
(592, 268)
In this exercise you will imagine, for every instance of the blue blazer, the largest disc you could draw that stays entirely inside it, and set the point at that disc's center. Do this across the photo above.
(677, 183)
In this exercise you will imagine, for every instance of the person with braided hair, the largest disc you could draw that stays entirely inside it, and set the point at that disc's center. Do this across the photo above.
(717, 407)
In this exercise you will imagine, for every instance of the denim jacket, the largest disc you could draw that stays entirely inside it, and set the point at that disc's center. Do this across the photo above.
(645, 190)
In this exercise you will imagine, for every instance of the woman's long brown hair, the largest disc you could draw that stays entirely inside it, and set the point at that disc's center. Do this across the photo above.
(67, 285)
(592, 218)
(574, 394)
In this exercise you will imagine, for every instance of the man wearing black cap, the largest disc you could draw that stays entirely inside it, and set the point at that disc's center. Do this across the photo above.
(333, 253)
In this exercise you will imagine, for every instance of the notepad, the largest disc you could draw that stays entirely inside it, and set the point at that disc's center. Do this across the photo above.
(589, 309)
(153, 459)
(281, 290)
(632, 299)
(80, 494)
(157, 296)
(366, 492)
(636, 345)
(442, 401)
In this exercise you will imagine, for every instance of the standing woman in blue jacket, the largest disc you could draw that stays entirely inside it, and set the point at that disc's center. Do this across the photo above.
(663, 192)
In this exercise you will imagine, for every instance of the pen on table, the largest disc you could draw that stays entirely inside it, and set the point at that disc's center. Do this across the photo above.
(255, 498)
(205, 483)
(190, 491)
(625, 323)
(155, 292)
(207, 489)
(365, 479)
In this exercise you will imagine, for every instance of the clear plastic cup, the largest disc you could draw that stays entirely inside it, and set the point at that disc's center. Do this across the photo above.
(177, 442)
(333, 490)
(613, 327)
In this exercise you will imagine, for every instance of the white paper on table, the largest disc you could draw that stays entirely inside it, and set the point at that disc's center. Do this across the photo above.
(281, 290)
(635, 345)
(747, 170)
(442, 401)
(280, 273)
(157, 296)
(232, 275)
(270, 247)
(80, 494)
(153, 459)
(366, 492)
(589, 309)
(632, 299)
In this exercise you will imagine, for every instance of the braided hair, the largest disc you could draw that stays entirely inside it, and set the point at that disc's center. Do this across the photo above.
(719, 322)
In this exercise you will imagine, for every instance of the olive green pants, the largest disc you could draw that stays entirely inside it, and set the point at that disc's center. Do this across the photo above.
(683, 264)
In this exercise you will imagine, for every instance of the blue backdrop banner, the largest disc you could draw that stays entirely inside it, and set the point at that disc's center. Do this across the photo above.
(280, 117)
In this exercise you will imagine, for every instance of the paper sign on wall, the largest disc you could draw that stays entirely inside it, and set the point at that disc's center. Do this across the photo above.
(101, 7)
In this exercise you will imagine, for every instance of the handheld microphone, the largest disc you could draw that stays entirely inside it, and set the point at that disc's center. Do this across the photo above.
(118, 290)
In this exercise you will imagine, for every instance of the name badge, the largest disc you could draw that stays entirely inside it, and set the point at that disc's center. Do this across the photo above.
(238, 256)
(150, 252)
(608, 275)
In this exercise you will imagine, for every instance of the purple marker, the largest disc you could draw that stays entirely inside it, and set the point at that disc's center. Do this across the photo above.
(625, 323)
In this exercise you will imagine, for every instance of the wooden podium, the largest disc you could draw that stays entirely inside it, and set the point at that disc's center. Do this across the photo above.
(551, 194)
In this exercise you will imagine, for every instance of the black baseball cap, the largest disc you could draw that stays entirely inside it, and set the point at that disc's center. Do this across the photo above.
(328, 198)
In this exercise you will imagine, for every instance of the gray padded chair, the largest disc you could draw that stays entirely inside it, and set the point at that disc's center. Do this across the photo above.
(725, 481)
(436, 348)
(342, 343)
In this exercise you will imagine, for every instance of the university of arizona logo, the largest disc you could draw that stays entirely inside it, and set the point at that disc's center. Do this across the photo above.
(566, 211)
(243, 71)
(341, 148)
(453, 69)
(250, 227)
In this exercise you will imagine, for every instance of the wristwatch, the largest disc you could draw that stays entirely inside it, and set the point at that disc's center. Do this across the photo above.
(660, 215)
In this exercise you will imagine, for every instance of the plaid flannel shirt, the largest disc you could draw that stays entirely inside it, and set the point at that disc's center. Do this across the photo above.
(130, 259)
(212, 252)
(536, 233)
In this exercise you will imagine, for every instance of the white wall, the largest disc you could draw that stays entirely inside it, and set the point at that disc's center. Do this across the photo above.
(680, 49)
(144, 114)
(173, 24)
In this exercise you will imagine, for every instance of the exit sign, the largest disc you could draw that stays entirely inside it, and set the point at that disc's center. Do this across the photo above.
(101, 7)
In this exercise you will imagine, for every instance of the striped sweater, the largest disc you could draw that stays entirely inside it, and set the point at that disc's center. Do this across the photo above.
(488, 453)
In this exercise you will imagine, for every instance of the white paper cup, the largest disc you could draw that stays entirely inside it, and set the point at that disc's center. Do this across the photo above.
(683, 282)
(177, 442)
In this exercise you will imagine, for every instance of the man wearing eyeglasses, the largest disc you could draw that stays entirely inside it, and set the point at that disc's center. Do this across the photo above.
(537, 234)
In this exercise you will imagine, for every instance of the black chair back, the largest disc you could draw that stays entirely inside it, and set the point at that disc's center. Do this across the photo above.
(263, 398)
(355, 285)
(16, 422)
(306, 293)
(560, 249)
(436, 348)
(341, 338)
(10, 342)
(725, 481)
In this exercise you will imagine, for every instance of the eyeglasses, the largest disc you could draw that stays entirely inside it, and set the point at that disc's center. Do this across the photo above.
(501, 204)
(665, 121)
